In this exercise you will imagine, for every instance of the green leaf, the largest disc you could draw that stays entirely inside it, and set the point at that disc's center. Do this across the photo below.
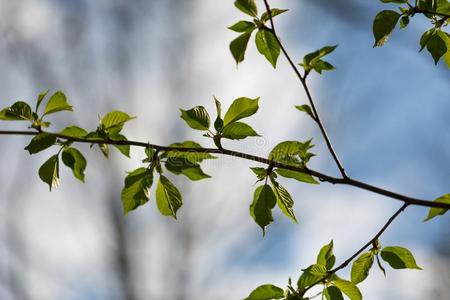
(240, 108)
(218, 123)
(238, 46)
(425, 38)
(443, 6)
(242, 26)
(266, 292)
(404, 21)
(274, 12)
(310, 276)
(447, 55)
(73, 158)
(168, 198)
(247, 6)
(261, 173)
(183, 166)
(124, 149)
(333, 293)
(40, 142)
(19, 111)
(238, 131)
(399, 258)
(113, 121)
(348, 288)
(191, 156)
(434, 211)
(41, 97)
(74, 131)
(383, 25)
(302, 177)
(196, 118)
(49, 172)
(306, 109)
(290, 152)
(361, 267)
(135, 191)
(326, 257)
(312, 58)
(322, 65)
(284, 200)
(437, 45)
(264, 201)
(426, 4)
(56, 103)
(267, 45)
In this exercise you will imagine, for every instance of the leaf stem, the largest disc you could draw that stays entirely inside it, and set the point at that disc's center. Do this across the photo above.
(263, 160)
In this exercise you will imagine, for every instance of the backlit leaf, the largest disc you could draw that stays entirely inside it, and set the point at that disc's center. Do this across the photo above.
(266, 292)
(238, 46)
(267, 45)
(274, 12)
(361, 267)
(326, 257)
(238, 131)
(284, 200)
(135, 190)
(264, 201)
(57, 102)
(168, 198)
(49, 172)
(73, 158)
(242, 26)
(399, 258)
(40, 142)
(348, 288)
(383, 25)
(19, 111)
(247, 6)
(240, 108)
(196, 118)
(302, 177)
(311, 275)
(434, 211)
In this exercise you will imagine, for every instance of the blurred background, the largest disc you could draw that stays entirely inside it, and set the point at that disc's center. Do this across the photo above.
(386, 111)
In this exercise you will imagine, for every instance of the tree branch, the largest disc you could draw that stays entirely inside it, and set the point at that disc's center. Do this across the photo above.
(263, 160)
(368, 244)
(302, 79)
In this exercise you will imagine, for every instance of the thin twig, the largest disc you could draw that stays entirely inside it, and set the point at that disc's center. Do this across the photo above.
(368, 244)
(263, 160)
(302, 79)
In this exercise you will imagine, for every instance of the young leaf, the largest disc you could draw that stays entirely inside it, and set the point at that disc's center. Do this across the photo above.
(399, 258)
(192, 156)
(264, 201)
(72, 158)
(289, 152)
(267, 45)
(302, 177)
(266, 292)
(183, 166)
(240, 108)
(274, 12)
(238, 46)
(218, 123)
(19, 111)
(135, 191)
(113, 121)
(196, 118)
(437, 45)
(312, 58)
(40, 142)
(310, 276)
(306, 109)
(284, 200)
(41, 97)
(425, 38)
(383, 25)
(242, 26)
(348, 288)
(326, 257)
(261, 173)
(361, 267)
(434, 211)
(333, 293)
(56, 103)
(74, 131)
(404, 21)
(124, 149)
(168, 198)
(49, 172)
(247, 6)
(394, 1)
(238, 131)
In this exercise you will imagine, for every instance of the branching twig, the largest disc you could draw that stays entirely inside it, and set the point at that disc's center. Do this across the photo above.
(368, 244)
(275, 164)
(302, 79)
